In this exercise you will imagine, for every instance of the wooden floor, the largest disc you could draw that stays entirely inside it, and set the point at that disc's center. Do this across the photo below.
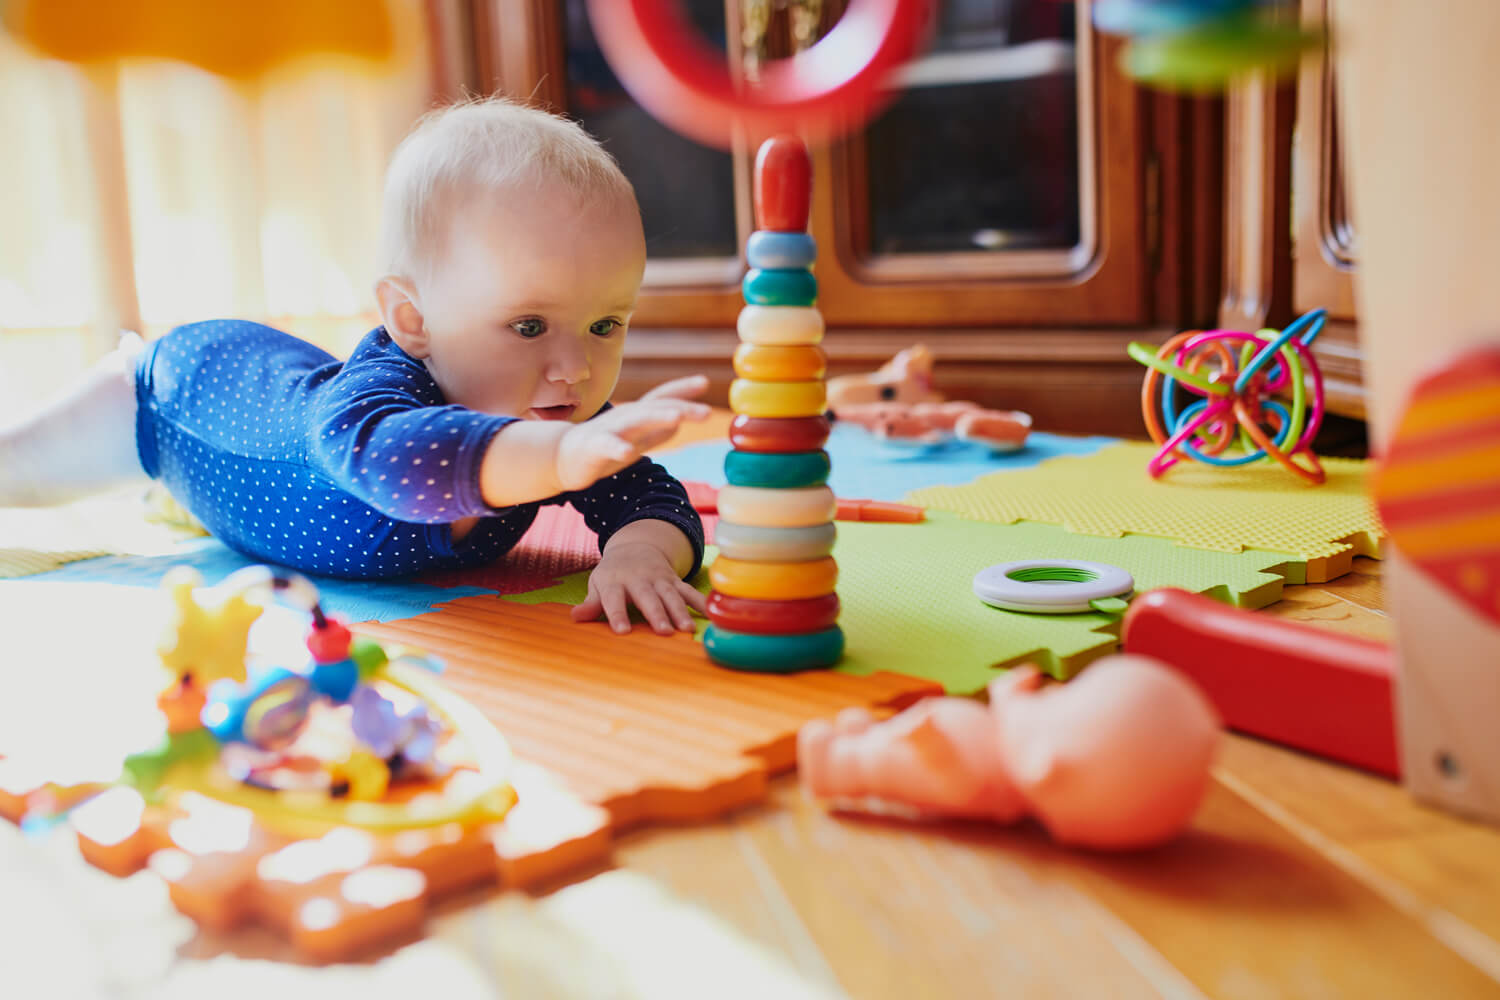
(1300, 878)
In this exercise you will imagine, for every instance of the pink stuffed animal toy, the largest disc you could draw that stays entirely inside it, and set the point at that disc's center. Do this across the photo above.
(1117, 758)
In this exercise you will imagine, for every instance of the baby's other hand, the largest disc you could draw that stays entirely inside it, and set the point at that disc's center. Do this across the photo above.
(642, 575)
(617, 439)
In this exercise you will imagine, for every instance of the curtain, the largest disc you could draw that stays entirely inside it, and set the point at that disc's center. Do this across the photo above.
(152, 193)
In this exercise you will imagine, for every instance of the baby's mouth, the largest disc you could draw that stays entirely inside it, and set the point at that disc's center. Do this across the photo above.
(563, 412)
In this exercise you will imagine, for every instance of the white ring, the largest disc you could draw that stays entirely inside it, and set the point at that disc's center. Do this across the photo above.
(780, 325)
(995, 586)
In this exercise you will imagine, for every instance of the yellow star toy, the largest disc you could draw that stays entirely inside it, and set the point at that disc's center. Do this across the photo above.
(206, 642)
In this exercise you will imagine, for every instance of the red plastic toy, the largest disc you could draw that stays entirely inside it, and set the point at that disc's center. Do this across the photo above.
(825, 92)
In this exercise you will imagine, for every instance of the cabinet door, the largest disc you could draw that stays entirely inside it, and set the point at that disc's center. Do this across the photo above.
(1001, 186)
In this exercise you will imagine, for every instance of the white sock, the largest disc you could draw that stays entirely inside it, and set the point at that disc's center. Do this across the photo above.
(81, 443)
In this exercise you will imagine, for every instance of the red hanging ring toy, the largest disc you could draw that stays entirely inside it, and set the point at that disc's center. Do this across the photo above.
(822, 93)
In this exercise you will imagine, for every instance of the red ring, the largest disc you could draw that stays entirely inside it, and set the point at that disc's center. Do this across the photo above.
(742, 614)
(778, 434)
(827, 91)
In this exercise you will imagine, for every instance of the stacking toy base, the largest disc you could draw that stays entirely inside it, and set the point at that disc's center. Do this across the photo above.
(773, 654)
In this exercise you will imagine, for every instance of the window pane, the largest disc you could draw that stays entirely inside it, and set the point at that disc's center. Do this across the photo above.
(686, 191)
(980, 151)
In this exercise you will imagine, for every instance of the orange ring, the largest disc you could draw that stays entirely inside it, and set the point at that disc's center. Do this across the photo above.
(774, 581)
(780, 362)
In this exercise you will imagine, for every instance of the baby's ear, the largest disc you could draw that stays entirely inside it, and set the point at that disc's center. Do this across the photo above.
(401, 315)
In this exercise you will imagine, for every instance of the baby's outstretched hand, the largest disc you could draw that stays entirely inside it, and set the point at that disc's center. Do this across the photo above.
(640, 574)
(615, 440)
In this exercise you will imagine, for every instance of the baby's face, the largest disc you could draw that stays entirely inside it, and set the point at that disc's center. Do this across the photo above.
(526, 312)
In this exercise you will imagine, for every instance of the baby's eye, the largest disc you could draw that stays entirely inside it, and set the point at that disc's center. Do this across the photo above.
(529, 328)
(604, 327)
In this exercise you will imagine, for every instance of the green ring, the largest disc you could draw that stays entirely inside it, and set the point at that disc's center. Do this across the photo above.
(787, 470)
(789, 287)
(773, 654)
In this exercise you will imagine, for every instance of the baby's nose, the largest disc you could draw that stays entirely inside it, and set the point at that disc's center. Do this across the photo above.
(569, 363)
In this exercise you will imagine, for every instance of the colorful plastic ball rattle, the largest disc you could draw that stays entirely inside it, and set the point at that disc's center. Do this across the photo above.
(1236, 377)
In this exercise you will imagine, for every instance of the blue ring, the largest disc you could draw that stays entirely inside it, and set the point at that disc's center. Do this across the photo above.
(767, 248)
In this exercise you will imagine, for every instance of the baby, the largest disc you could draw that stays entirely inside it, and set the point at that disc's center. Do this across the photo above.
(512, 255)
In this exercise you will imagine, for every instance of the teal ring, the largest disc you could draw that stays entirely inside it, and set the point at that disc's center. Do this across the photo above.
(773, 654)
(786, 470)
(769, 249)
(779, 287)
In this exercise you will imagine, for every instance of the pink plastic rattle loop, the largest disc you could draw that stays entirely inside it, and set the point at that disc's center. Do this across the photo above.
(821, 93)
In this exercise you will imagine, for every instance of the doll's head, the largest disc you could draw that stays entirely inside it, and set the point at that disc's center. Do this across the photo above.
(1118, 757)
(512, 254)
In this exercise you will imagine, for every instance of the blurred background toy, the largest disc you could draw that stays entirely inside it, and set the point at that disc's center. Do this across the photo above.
(899, 405)
(1115, 759)
(1200, 45)
(233, 38)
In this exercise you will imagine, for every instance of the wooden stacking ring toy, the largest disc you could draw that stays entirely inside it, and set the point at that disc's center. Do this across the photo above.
(780, 364)
(777, 508)
(780, 325)
(773, 654)
(771, 435)
(761, 544)
(739, 614)
(777, 399)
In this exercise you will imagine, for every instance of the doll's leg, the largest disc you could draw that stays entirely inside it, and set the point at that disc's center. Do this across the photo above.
(83, 442)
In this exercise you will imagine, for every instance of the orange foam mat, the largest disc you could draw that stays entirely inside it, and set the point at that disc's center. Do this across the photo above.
(640, 724)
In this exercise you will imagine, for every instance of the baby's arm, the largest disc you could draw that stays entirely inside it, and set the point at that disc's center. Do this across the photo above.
(534, 459)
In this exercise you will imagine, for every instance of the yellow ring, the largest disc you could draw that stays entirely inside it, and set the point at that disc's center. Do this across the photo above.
(780, 325)
(764, 581)
(764, 507)
(781, 363)
(777, 399)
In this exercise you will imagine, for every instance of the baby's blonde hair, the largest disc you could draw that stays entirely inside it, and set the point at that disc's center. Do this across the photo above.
(476, 147)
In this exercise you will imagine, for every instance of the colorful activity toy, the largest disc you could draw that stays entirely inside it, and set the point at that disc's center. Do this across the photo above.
(1117, 758)
(777, 511)
(327, 798)
(1235, 375)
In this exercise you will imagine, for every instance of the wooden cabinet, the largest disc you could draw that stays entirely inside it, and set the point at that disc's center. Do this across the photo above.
(1019, 206)
(1290, 242)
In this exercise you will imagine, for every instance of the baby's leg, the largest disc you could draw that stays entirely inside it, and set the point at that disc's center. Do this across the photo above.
(81, 443)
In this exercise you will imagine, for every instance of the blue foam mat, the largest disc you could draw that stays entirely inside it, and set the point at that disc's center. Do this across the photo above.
(866, 469)
(354, 600)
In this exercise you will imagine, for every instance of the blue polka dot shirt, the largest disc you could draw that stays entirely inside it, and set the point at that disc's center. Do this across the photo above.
(354, 469)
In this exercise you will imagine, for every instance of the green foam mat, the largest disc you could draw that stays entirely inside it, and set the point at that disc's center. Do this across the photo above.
(909, 606)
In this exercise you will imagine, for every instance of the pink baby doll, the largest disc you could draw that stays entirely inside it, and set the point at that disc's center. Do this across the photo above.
(1117, 758)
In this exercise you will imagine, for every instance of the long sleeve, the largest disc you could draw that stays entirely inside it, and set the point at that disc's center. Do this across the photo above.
(381, 431)
(644, 491)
